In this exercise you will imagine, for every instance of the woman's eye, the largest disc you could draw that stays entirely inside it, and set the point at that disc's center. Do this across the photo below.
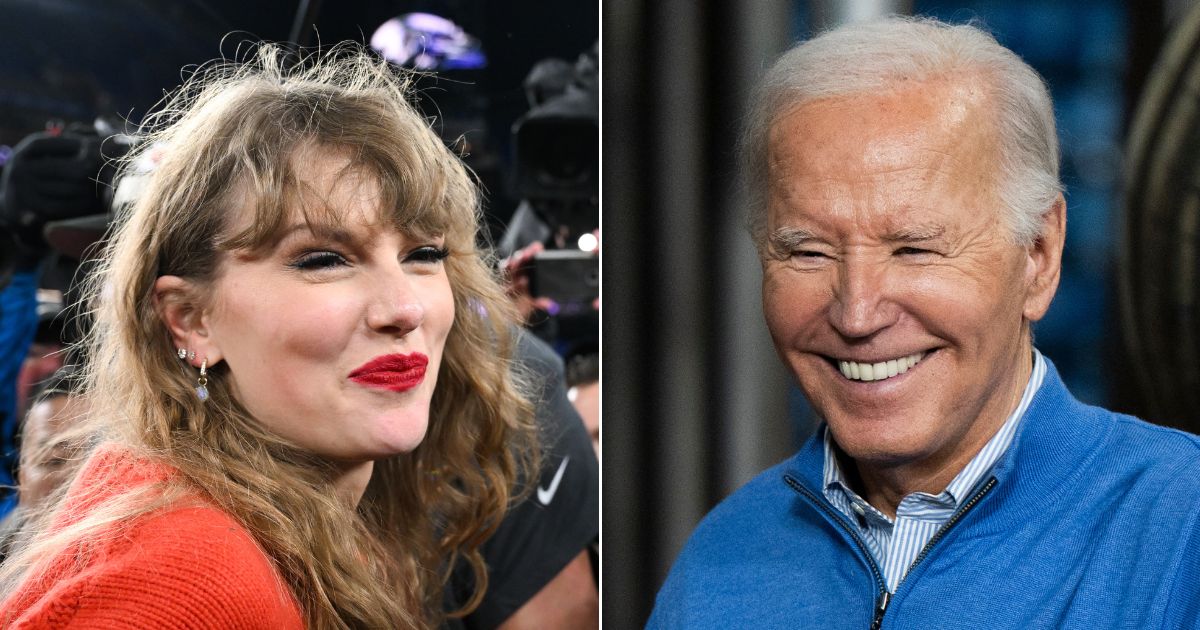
(808, 253)
(427, 254)
(913, 251)
(319, 260)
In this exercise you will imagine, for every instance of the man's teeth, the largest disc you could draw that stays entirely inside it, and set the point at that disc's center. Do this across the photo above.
(878, 371)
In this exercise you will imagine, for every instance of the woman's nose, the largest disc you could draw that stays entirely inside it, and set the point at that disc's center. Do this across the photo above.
(397, 308)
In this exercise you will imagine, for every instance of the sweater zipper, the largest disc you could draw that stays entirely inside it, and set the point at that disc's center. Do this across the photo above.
(880, 609)
(941, 533)
(885, 597)
(881, 601)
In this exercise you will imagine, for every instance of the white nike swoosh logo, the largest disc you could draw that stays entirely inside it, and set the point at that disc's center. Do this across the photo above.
(546, 495)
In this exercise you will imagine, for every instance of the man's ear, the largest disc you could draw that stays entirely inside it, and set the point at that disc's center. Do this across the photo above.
(179, 306)
(1044, 265)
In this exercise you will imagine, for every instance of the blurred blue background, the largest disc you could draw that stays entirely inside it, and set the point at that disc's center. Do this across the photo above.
(1081, 49)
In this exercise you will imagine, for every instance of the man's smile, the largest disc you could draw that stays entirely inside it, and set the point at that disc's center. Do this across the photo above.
(876, 370)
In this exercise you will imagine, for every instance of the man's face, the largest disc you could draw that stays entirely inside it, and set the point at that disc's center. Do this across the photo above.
(886, 248)
(44, 455)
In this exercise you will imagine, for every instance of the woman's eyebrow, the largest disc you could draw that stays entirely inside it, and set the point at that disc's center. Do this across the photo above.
(337, 234)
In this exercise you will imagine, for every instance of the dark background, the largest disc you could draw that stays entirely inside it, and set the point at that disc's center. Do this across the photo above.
(74, 60)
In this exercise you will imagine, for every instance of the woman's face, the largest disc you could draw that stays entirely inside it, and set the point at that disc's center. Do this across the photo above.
(333, 339)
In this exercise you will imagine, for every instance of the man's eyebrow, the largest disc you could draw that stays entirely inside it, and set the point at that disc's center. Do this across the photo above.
(915, 233)
(786, 238)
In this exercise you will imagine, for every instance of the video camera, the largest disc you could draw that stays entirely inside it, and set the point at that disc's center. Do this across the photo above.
(557, 178)
(55, 183)
(558, 144)
(56, 197)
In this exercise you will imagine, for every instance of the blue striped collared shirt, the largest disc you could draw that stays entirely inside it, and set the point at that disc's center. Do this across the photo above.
(896, 543)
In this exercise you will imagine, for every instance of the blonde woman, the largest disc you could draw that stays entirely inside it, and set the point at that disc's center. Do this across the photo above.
(302, 405)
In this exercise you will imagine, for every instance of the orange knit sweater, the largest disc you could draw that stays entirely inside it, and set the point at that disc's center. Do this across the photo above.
(191, 566)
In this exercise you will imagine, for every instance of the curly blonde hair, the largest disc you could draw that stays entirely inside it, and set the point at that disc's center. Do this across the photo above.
(233, 129)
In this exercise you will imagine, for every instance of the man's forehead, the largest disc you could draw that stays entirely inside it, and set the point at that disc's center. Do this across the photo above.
(880, 127)
(903, 164)
(911, 201)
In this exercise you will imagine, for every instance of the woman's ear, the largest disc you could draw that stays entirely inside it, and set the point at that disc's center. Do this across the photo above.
(179, 306)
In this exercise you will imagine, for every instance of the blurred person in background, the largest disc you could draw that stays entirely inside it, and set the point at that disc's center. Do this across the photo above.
(44, 457)
(47, 177)
(18, 323)
(910, 222)
(542, 560)
(583, 379)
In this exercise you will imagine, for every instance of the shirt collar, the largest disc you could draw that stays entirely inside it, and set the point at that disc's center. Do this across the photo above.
(834, 479)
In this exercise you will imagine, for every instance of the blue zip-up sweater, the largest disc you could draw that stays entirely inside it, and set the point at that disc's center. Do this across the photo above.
(1091, 519)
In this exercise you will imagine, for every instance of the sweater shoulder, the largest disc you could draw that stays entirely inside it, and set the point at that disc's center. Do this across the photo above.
(746, 519)
(752, 547)
(182, 567)
(754, 505)
(1168, 457)
(1163, 439)
(1163, 452)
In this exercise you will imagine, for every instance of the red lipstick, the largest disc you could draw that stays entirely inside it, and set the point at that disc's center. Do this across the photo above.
(397, 372)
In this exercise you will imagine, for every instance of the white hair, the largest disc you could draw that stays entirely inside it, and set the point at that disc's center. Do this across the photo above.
(874, 57)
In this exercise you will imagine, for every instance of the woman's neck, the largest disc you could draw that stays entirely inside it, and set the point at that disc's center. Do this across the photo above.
(350, 480)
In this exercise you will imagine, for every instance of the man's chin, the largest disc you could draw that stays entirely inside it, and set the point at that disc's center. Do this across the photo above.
(876, 444)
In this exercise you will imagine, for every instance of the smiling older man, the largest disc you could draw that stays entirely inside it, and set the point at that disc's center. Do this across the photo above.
(910, 222)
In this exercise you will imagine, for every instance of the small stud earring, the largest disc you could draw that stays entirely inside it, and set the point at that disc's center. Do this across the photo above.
(182, 354)
(191, 355)
(202, 382)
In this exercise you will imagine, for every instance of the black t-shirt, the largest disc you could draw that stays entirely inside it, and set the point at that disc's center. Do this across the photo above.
(557, 520)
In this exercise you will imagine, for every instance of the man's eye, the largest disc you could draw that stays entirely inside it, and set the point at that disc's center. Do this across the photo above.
(808, 253)
(913, 251)
(428, 254)
(319, 260)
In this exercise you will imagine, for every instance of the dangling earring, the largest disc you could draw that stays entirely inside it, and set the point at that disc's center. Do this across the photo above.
(202, 382)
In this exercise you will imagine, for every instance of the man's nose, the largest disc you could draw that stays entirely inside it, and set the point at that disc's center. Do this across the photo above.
(397, 307)
(862, 304)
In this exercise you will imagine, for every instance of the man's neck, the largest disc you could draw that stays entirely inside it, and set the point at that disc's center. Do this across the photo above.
(885, 487)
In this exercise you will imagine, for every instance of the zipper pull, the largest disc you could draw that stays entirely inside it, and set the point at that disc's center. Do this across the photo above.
(880, 609)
